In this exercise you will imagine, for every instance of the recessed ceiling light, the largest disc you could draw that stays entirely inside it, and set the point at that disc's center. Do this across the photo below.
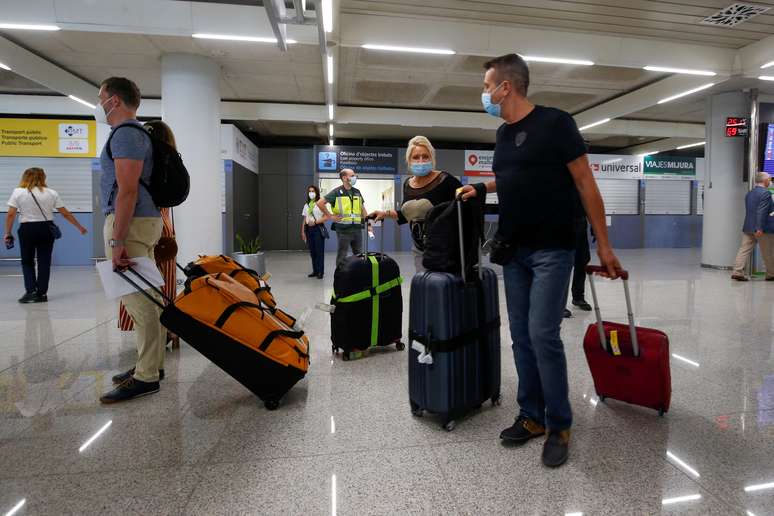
(16, 507)
(330, 142)
(686, 71)
(330, 111)
(649, 153)
(678, 499)
(766, 77)
(330, 69)
(5, 67)
(327, 14)
(248, 39)
(759, 487)
(691, 145)
(81, 101)
(558, 60)
(413, 50)
(330, 131)
(767, 65)
(686, 93)
(23, 26)
(606, 120)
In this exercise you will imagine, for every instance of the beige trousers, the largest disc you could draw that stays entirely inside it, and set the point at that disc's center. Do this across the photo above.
(746, 248)
(144, 233)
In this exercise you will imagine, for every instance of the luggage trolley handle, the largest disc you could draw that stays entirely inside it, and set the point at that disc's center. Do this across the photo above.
(462, 244)
(142, 290)
(624, 275)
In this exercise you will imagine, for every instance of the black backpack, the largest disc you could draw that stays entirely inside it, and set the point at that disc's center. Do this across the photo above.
(442, 237)
(169, 182)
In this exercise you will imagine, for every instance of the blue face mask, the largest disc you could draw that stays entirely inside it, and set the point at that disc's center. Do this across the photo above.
(421, 169)
(353, 180)
(489, 107)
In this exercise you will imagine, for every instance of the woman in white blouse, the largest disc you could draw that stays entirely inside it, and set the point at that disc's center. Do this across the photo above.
(35, 203)
(313, 231)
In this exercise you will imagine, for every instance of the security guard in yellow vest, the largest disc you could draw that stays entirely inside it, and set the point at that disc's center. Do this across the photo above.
(348, 214)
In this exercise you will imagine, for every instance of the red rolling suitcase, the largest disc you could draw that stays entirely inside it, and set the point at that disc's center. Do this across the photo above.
(627, 363)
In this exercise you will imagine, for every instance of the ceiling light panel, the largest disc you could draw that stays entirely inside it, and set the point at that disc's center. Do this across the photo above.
(413, 50)
(686, 71)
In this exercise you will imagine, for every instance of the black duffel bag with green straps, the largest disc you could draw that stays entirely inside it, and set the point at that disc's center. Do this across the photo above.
(368, 304)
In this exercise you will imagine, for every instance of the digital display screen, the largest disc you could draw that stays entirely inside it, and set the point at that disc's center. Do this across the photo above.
(768, 150)
(736, 126)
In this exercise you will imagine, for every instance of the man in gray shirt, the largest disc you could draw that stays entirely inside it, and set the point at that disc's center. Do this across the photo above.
(133, 226)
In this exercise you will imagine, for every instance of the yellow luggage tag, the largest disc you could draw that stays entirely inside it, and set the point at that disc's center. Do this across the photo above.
(614, 343)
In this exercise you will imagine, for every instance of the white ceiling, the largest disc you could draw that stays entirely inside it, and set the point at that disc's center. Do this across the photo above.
(624, 35)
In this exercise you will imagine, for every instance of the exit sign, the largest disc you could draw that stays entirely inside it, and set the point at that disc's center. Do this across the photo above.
(736, 126)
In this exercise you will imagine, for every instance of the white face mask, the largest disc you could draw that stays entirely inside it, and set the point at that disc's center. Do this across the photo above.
(312, 195)
(99, 114)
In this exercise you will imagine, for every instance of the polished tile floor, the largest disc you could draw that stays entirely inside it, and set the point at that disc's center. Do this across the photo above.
(344, 441)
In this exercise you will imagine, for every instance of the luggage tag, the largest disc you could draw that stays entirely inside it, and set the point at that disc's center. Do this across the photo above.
(424, 356)
(614, 343)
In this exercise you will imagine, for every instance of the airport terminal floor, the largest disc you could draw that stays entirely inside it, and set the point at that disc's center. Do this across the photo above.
(344, 440)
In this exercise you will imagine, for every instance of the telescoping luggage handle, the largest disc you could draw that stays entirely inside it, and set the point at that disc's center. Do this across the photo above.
(624, 275)
(462, 244)
(140, 289)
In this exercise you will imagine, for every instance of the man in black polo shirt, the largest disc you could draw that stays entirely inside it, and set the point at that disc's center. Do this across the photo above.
(539, 163)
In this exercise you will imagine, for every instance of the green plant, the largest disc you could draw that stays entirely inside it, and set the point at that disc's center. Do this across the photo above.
(249, 246)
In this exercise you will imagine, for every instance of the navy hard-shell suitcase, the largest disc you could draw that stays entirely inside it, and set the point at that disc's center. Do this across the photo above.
(454, 357)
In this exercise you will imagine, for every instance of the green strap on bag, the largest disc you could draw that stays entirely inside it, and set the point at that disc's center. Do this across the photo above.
(374, 292)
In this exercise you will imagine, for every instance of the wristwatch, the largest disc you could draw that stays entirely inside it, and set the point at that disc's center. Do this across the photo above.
(115, 243)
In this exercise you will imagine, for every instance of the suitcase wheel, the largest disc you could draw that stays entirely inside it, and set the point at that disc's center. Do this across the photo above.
(496, 401)
(400, 346)
(416, 410)
(271, 404)
(450, 425)
(333, 349)
(661, 412)
(602, 398)
(345, 356)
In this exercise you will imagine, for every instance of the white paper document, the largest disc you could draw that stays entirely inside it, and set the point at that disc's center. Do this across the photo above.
(115, 286)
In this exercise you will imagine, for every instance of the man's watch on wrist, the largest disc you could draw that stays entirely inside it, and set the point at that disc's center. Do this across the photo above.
(115, 243)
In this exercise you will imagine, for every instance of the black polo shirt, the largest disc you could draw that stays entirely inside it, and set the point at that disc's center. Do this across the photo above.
(536, 191)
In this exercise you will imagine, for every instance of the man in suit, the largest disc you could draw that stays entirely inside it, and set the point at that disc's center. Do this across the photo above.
(758, 207)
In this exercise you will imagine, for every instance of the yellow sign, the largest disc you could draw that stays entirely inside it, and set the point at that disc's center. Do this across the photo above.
(48, 138)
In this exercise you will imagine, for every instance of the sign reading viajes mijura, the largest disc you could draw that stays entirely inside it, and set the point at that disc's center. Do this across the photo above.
(670, 167)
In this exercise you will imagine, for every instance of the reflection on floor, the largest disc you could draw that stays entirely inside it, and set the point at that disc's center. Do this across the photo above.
(344, 440)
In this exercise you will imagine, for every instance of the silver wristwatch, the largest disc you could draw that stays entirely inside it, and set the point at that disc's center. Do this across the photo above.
(115, 243)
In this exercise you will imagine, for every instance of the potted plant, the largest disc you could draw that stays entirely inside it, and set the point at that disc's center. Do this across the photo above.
(250, 255)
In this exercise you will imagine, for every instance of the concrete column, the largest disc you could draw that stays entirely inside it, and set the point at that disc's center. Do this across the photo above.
(190, 104)
(724, 189)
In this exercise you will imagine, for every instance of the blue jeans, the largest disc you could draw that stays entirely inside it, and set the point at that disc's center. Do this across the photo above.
(536, 285)
(316, 244)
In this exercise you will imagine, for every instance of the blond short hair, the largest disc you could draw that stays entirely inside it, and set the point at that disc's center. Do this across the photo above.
(420, 141)
(761, 177)
(33, 177)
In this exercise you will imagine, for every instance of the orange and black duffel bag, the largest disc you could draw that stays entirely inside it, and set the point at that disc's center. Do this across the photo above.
(225, 322)
(214, 264)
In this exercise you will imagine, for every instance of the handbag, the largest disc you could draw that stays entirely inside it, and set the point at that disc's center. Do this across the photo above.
(323, 229)
(52, 227)
(166, 248)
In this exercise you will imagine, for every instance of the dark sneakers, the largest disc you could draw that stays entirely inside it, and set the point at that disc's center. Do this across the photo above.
(556, 448)
(122, 377)
(582, 304)
(29, 297)
(522, 430)
(129, 390)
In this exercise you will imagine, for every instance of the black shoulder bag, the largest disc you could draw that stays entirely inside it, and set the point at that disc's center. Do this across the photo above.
(52, 227)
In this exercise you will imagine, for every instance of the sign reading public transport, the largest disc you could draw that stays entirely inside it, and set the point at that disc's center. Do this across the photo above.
(46, 138)
(670, 167)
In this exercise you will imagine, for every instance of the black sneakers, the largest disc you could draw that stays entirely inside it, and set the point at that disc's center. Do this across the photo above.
(29, 297)
(129, 390)
(556, 448)
(582, 304)
(122, 377)
(522, 430)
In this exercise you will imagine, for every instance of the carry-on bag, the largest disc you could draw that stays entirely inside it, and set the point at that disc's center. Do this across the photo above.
(454, 332)
(367, 303)
(628, 363)
(225, 322)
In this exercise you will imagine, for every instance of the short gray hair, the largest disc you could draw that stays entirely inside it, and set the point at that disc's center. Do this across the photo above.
(511, 67)
(761, 177)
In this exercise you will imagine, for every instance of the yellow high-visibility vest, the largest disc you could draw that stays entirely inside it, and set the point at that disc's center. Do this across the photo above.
(350, 208)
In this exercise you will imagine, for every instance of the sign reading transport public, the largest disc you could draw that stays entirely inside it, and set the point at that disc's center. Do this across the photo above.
(47, 138)
(363, 160)
(665, 167)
